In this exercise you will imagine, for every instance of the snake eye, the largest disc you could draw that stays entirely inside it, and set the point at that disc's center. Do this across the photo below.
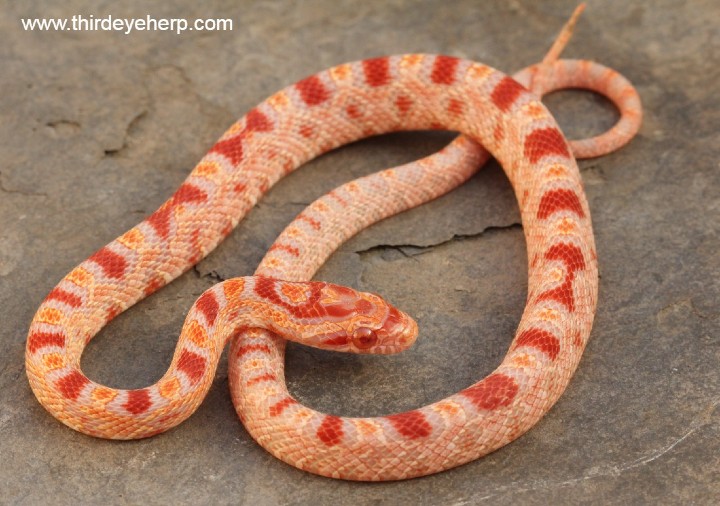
(363, 337)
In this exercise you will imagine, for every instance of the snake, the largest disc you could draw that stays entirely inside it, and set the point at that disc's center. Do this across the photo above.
(496, 115)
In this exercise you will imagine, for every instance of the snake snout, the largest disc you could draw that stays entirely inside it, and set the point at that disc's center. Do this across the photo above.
(400, 329)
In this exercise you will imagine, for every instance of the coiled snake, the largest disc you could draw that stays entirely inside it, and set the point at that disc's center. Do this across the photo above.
(408, 92)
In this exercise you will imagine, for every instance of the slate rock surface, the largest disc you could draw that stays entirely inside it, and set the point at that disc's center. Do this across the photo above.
(99, 128)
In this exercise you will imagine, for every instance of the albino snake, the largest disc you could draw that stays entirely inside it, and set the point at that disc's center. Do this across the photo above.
(329, 109)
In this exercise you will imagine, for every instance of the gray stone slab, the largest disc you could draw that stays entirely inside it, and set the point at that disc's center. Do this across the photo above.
(99, 128)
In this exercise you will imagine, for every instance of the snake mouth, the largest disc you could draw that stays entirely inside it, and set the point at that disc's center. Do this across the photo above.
(411, 331)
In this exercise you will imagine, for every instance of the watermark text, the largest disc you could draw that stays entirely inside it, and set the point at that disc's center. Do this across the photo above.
(80, 23)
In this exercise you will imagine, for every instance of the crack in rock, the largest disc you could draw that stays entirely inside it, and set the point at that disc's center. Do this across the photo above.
(212, 275)
(129, 130)
(410, 250)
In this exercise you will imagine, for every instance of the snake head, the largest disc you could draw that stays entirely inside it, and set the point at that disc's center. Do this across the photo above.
(364, 322)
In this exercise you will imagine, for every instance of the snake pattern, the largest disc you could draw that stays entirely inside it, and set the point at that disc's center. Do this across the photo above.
(498, 116)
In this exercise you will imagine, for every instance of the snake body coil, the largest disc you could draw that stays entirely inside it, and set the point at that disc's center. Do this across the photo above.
(345, 103)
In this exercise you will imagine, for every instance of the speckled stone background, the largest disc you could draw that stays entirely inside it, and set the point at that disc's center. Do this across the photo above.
(98, 129)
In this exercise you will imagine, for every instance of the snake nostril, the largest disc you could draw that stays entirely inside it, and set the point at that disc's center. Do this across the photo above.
(364, 337)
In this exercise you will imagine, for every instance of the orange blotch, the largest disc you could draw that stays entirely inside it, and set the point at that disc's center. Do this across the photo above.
(411, 60)
(233, 288)
(548, 314)
(535, 110)
(566, 226)
(479, 71)
(292, 231)
(341, 72)
(169, 387)
(366, 428)
(449, 408)
(557, 171)
(234, 129)
(103, 394)
(197, 334)
(80, 277)
(254, 364)
(272, 263)
(556, 274)
(132, 239)
(302, 414)
(278, 100)
(523, 360)
(320, 206)
(53, 361)
(206, 169)
(269, 392)
(49, 315)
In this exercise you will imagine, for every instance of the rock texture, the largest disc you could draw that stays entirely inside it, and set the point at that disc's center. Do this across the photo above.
(99, 128)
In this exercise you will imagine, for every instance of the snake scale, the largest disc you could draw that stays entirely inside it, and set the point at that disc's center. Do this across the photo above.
(498, 116)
